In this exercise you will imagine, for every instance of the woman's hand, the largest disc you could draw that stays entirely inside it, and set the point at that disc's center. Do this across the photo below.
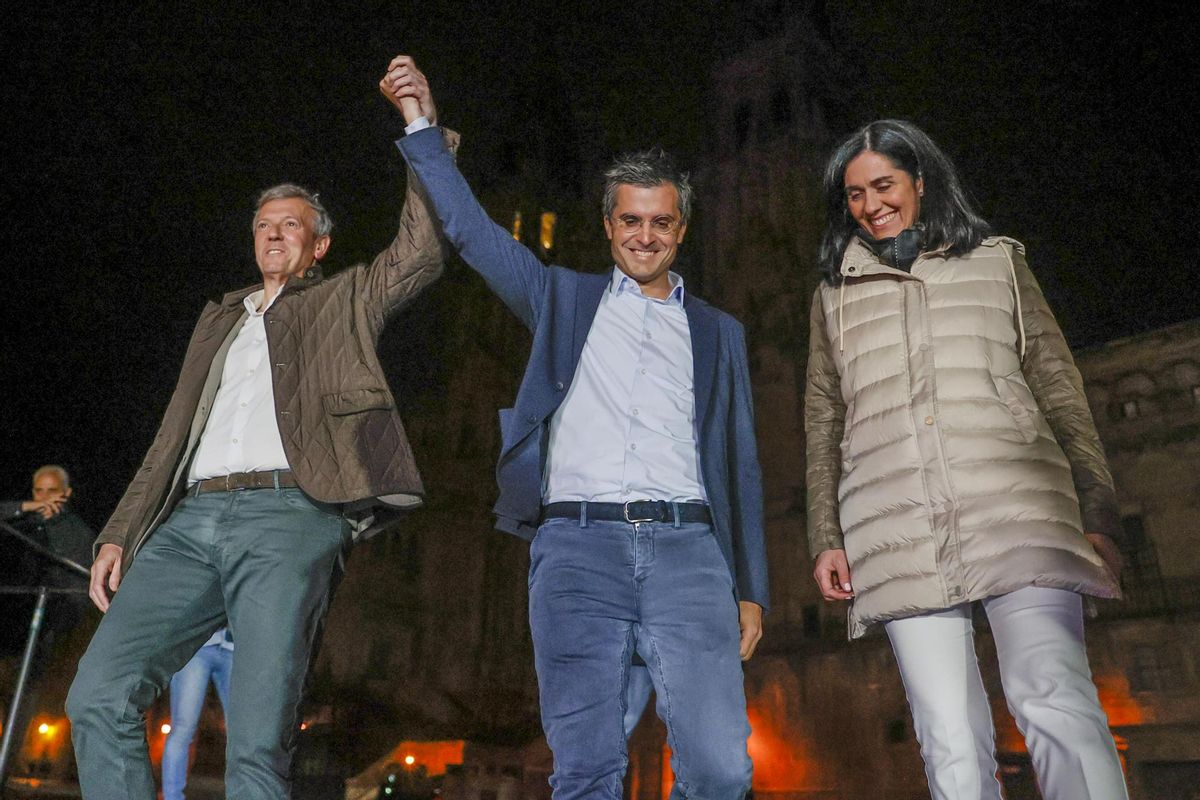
(832, 574)
(1107, 549)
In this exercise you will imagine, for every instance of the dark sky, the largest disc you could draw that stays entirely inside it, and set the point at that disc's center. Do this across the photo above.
(136, 136)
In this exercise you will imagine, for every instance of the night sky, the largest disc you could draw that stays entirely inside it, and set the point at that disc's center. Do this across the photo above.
(137, 135)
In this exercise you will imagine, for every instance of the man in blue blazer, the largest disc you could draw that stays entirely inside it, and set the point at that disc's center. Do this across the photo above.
(629, 460)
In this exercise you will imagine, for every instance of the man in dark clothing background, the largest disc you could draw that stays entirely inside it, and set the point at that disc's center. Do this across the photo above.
(49, 519)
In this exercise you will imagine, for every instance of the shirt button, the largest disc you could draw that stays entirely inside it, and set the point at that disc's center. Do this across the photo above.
(643, 370)
(649, 335)
(929, 420)
(235, 441)
(243, 405)
(559, 386)
(530, 418)
(635, 412)
(924, 346)
(633, 446)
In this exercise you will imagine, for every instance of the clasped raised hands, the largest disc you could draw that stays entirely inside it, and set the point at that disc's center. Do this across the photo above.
(406, 88)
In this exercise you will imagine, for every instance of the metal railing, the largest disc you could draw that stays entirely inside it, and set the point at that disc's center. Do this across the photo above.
(35, 626)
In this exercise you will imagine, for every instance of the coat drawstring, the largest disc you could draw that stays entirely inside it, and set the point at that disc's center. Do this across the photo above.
(842, 317)
(1012, 270)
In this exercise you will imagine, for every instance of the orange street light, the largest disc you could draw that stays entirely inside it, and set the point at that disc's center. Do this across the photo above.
(410, 760)
(166, 728)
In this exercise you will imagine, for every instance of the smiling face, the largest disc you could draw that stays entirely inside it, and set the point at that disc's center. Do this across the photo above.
(882, 198)
(285, 239)
(645, 232)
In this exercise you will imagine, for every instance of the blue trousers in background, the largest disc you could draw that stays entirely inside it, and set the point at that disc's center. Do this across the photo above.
(211, 664)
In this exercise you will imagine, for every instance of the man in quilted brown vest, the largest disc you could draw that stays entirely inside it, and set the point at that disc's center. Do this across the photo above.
(281, 444)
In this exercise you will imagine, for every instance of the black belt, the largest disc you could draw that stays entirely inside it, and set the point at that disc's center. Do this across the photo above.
(240, 481)
(633, 511)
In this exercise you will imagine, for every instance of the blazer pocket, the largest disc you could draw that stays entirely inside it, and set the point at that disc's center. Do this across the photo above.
(354, 401)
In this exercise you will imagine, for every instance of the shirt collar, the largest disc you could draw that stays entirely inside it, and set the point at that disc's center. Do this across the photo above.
(252, 300)
(620, 282)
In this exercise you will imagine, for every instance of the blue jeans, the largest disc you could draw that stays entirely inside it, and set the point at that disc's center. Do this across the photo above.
(597, 593)
(637, 694)
(263, 562)
(188, 688)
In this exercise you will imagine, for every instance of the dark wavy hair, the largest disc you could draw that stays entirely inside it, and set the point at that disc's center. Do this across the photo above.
(951, 224)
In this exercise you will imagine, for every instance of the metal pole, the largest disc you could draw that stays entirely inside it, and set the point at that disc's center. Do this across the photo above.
(35, 627)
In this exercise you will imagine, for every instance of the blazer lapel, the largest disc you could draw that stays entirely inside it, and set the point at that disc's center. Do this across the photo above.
(702, 323)
(588, 294)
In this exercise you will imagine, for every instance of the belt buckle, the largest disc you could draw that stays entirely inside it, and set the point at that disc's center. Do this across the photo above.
(625, 512)
(231, 488)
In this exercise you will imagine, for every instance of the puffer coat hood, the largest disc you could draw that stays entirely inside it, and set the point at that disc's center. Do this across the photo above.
(945, 478)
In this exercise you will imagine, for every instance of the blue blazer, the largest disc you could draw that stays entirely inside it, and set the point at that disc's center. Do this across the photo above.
(558, 306)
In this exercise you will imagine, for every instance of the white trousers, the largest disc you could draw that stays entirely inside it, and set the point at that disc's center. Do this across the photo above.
(1047, 683)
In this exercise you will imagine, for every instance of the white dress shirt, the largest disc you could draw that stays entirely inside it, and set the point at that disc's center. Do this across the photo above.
(241, 434)
(626, 429)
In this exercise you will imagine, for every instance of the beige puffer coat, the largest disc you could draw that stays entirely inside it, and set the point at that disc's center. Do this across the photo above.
(938, 410)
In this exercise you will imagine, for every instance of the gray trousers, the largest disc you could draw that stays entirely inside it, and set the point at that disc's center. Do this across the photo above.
(265, 563)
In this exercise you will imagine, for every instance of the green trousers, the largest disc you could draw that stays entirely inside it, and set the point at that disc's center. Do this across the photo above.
(265, 563)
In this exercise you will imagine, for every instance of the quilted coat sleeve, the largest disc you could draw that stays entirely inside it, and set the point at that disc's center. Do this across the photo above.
(414, 259)
(824, 422)
(1057, 386)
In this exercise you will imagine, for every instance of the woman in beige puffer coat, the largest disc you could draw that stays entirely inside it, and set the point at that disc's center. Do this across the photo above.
(952, 458)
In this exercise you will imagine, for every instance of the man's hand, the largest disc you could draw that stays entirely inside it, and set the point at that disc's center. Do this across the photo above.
(47, 508)
(832, 574)
(405, 87)
(1107, 549)
(750, 621)
(105, 569)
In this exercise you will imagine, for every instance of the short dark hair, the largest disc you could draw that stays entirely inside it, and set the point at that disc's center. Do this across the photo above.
(648, 168)
(951, 223)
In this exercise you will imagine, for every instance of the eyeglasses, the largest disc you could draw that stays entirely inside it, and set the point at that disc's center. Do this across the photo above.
(661, 226)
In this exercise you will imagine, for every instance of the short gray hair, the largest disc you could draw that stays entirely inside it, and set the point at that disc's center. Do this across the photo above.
(53, 469)
(286, 191)
(648, 168)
